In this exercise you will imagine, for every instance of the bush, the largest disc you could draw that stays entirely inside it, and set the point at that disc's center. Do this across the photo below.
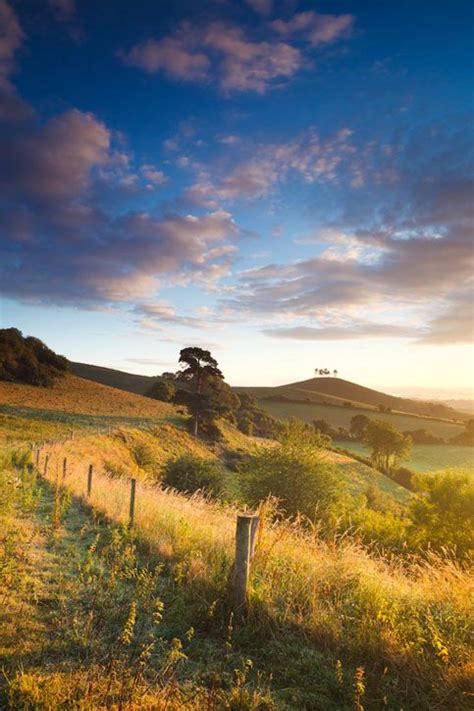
(296, 474)
(162, 390)
(443, 515)
(404, 477)
(190, 474)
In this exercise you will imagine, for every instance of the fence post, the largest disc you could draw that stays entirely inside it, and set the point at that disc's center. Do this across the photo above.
(46, 459)
(253, 535)
(38, 457)
(64, 470)
(89, 481)
(243, 536)
(131, 516)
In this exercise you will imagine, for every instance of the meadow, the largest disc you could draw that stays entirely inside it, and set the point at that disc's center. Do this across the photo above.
(122, 619)
(341, 417)
(425, 457)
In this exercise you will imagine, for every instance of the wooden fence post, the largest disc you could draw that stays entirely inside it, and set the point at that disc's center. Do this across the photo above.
(46, 459)
(89, 481)
(131, 516)
(243, 537)
(64, 470)
(38, 457)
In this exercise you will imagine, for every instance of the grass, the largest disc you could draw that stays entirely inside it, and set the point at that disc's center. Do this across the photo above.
(341, 417)
(426, 457)
(332, 625)
(75, 395)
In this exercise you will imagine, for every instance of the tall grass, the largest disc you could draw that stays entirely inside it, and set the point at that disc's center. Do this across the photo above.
(402, 619)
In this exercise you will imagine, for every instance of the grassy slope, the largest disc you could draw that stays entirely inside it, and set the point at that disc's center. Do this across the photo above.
(337, 627)
(136, 422)
(76, 395)
(114, 378)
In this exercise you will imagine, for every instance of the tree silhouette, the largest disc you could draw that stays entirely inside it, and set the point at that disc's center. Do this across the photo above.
(334, 372)
(200, 366)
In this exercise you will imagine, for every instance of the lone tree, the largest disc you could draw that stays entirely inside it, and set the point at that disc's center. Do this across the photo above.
(389, 445)
(200, 368)
(358, 425)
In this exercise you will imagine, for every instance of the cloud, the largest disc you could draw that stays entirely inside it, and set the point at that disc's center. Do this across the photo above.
(219, 52)
(262, 7)
(317, 29)
(12, 107)
(349, 331)
(54, 161)
(311, 158)
(411, 254)
(150, 361)
(172, 55)
(152, 175)
(65, 12)
(153, 314)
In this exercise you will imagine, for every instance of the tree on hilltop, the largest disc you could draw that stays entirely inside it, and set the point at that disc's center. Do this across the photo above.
(202, 372)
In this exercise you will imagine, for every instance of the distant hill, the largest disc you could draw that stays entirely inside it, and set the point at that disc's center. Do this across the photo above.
(336, 391)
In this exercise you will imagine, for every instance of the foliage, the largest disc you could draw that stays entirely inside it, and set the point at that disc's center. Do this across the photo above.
(358, 425)
(466, 437)
(404, 477)
(28, 360)
(296, 473)
(164, 390)
(192, 474)
(388, 445)
(421, 436)
(443, 513)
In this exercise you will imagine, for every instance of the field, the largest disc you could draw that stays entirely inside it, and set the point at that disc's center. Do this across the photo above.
(341, 417)
(426, 457)
(98, 617)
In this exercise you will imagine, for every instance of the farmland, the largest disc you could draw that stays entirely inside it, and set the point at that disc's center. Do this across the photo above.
(426, 457)
(341, 417)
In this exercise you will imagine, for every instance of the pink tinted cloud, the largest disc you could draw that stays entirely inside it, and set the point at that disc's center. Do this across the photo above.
(54, 162)
(317, 29)
(220, 52)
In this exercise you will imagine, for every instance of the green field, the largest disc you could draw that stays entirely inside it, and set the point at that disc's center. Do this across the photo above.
(426, 457)
(341, 417)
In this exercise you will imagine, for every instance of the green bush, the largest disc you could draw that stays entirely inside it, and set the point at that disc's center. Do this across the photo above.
(443, 514)
(296, 474)
(190, 474)
(162, 390)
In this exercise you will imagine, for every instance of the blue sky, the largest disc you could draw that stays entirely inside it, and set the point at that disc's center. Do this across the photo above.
(287, 183)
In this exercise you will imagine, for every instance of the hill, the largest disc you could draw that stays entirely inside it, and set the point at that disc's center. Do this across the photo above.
(76, 395)
(130, 382)
(337, 391)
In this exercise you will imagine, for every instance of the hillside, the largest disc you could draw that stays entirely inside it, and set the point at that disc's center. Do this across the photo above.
(337, 391)
(114, 378)
(76, 395)
(331, 391)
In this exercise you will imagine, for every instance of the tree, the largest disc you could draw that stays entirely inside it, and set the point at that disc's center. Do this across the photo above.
(28, 360)
(162, 390)
(443, 514)
(358, 425)
(465, 437)
(389, 446)
(334, 372)
(200, 366)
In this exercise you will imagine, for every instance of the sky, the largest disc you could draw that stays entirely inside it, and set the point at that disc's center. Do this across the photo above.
(286, 183)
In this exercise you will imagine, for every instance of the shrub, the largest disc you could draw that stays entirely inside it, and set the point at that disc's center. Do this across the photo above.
(388, 445)
(443, 515)
(190, 474)
(162, 390)
(296, 474)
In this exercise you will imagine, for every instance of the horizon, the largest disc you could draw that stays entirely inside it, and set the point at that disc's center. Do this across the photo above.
(279, 184)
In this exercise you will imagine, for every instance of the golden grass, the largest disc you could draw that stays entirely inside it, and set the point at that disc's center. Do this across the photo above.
(75, 395)
(410, 614)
